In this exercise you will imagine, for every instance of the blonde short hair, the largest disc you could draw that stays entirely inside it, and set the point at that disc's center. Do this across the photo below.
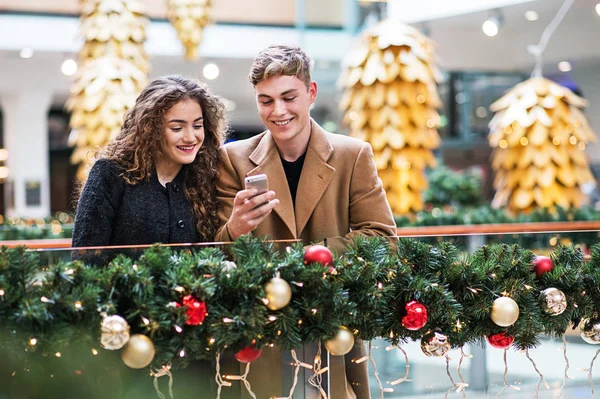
(281, 59)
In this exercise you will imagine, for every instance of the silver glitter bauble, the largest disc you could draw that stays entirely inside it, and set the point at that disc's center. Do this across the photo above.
(590, 331)
(115, 332)
(554, 301)
(435, 343)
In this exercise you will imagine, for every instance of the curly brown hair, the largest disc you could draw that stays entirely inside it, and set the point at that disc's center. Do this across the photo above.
(140, 140)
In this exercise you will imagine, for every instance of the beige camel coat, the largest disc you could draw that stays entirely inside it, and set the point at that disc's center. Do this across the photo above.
(339, 196)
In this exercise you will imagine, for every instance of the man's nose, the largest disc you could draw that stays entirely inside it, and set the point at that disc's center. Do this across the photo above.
(279, 108)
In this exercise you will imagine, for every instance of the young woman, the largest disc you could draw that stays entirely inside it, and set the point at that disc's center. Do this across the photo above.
(156, 181)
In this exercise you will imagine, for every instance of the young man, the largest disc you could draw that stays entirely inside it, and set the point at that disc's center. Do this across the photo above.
(324, 186)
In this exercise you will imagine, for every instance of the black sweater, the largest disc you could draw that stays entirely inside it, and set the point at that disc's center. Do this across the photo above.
(112, 212)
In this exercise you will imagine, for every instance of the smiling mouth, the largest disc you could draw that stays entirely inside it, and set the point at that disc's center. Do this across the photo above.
(186, 148)
(282, 123)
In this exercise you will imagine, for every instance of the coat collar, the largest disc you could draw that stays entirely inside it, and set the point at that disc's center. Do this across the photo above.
(314, 180)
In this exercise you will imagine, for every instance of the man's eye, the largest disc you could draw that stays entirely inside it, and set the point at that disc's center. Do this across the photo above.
(290, 98)
(266, 102)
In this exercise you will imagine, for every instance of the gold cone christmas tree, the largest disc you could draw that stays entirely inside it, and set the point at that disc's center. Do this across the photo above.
(189, 17)
(390, 100)
(113, 70)
(539, 134)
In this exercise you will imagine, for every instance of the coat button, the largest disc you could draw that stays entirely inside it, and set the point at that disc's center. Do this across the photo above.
(181, 224)
(175, 188)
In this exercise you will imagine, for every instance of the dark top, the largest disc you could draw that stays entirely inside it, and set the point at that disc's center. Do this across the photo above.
(112, 212)
(293, 170)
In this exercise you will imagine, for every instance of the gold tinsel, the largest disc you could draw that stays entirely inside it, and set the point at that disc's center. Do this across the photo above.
(390, 100)
(189, 17)
(539, 134)
(113, 69)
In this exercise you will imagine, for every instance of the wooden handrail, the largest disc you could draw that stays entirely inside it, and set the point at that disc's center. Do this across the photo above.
(502, 228)
(424, 231)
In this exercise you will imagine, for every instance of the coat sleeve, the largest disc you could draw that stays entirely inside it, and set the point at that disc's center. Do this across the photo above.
(228, 185)
(369, 211)
(98, 205)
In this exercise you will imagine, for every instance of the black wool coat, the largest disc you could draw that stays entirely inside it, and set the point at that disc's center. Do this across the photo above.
(112, 212)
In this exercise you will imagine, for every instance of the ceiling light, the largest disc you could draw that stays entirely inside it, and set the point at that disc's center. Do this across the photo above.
(564, 66)
(492, 24)
(210, 71)
(531, 16)
(26, 52)
(69, 67)
(598, 8)
(490, 28)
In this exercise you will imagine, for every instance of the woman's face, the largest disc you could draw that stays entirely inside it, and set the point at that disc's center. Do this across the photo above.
(184, 133)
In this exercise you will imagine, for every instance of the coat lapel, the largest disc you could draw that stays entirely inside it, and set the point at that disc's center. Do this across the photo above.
(267, 159)
(315, 178)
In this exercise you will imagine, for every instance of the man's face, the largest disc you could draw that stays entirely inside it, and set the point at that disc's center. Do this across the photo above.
(283, 104)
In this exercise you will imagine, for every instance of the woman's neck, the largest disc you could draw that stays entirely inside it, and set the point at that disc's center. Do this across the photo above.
(166, 172)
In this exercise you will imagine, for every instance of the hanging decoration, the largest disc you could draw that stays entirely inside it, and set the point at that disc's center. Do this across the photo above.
(539, 135)
(505, 311)
(341, 344)
(115, 332)
(189, 17)
(139, 352)
(390, 100)
(278, 293)
(113, 69)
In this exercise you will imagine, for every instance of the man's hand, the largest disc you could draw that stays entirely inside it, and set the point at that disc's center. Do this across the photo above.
(249, 210)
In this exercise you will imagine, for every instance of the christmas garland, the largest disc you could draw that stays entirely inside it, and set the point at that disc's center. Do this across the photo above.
(171, 306)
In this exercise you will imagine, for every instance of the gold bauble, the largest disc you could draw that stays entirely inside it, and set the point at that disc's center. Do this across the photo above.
(138, 352)
(505, 311)
(115, 332)
(279, 293)
(341, 344)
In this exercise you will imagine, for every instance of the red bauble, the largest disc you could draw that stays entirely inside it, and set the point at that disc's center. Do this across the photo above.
(414, 316)
(248, 354)
(318, 254)
(542, 264)
(500, 340)
(196, 310)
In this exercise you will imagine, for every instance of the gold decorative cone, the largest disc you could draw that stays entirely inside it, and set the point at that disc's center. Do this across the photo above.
(189, 17)
(390, 100)
(113, 69)
(539, 134)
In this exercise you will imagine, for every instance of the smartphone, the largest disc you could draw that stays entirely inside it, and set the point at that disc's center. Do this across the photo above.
(258, 182)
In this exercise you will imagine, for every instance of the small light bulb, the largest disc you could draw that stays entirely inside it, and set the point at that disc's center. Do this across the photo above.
(58, 354)
(32, 341)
